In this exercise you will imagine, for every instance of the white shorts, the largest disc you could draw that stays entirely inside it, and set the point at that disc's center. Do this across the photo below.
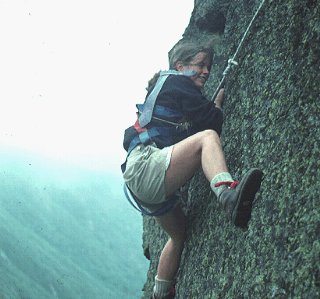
(145, 173)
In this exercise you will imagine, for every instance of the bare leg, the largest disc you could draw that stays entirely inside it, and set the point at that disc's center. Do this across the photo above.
(202, 149)
(174, 223)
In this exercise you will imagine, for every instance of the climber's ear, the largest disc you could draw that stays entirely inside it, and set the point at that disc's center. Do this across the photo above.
(179, 66)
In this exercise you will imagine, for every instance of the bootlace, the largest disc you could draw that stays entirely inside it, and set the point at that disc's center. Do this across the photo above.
(231, 185)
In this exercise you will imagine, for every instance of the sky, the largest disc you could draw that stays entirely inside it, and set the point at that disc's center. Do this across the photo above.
(72, 71)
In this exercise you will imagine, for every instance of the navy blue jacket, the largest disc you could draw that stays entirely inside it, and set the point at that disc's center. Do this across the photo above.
(179, 93)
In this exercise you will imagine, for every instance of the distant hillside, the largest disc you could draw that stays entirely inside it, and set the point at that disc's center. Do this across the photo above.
(66, 233)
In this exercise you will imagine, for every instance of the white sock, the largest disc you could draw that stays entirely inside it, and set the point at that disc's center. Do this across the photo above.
(162, 287)
(220, 177)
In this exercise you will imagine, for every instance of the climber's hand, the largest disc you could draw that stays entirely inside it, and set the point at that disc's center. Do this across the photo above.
(219, 98)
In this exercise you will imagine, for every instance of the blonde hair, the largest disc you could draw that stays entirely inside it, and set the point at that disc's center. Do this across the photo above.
(186, 51)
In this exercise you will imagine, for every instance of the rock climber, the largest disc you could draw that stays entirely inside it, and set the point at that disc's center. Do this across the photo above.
(178, 131)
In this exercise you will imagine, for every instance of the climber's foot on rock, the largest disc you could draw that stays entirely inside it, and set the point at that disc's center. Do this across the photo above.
(238, 199)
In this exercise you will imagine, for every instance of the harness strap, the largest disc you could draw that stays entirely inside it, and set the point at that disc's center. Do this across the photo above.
(146, 115)
(166, 207)
(162, 111)
(146, 136)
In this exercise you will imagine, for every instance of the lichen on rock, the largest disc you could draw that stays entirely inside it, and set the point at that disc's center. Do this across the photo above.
(272, 121)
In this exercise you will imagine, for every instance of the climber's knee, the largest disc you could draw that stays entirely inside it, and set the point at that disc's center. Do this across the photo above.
(210, 136)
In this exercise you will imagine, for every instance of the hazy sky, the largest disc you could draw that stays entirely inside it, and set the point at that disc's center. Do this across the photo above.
(71, 72)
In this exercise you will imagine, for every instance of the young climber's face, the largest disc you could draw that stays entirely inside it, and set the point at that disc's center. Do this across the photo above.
(201, 64)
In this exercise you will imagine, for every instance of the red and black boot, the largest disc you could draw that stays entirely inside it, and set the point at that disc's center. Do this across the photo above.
(237, 199)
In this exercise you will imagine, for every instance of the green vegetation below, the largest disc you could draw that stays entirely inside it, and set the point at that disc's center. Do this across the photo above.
(65, 233)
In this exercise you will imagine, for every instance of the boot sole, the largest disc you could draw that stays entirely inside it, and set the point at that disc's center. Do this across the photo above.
(248, 187)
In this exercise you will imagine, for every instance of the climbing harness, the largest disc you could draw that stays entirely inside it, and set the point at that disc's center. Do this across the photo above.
(232, 61)
(171, 126)
(146, 115)
(170, 130)
(142, 135)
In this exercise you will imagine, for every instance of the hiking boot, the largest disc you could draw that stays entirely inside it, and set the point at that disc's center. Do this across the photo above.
(237, 199)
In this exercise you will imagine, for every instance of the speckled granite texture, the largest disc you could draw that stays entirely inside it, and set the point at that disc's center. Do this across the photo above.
(272, 121)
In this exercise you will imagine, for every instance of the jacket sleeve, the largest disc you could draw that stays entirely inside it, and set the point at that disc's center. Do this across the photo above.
(198, 109)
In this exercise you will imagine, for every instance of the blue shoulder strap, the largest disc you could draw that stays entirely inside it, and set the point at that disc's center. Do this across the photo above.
(146, 115)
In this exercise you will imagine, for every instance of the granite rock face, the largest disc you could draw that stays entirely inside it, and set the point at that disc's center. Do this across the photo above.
(272, 121)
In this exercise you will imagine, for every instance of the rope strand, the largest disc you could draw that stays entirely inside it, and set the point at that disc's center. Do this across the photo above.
(232, 61)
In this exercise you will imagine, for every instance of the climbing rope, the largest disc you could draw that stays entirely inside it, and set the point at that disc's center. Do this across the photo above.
(232, 61)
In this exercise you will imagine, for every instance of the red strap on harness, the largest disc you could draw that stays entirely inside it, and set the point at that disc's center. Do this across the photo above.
(138, 127)
(231, 185)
